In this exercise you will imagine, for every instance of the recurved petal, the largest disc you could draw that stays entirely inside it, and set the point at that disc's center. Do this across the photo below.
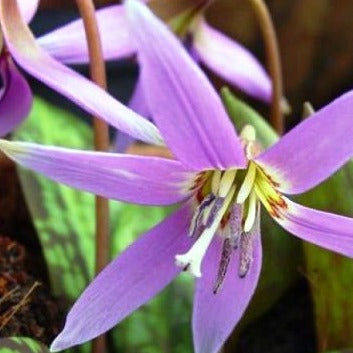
(182, 101)
(136, 179)
(231, 61)
(15, 96)
(68, 43)
(328, 230)
(128, 282)
(28, 8)
(75, 87)
(215, 315)
(314, 149)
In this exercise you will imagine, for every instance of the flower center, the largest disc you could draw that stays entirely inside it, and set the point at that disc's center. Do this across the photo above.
(227, 203)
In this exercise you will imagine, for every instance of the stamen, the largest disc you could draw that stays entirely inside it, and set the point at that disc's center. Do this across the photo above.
(246, 254)
(247, 246)
(218, 203)
(192, 260)
(260, 194)
(197, 218)
(226, 182)
(269, 196)
(247, 185)
(267, 188)
(216, 178)
(207, 212)
(223, 265)
(250, 218)
(235, 226)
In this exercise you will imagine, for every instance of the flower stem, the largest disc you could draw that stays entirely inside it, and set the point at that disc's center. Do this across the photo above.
(101, 140)
(273, 61)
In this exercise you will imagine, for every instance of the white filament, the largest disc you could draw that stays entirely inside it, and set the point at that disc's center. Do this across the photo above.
(247, 185)
(226, 182)
(250, 218)
(216, 178)
(192, 259)
(207, 212)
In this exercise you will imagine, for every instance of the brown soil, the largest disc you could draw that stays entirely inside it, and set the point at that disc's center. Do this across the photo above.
(26, 306)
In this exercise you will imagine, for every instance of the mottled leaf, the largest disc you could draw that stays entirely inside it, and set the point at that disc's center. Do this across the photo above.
(330, 275)
(21, 345)
(62, 216)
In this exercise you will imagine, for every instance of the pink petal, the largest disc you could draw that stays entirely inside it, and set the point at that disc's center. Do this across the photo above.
(314, 149)
(182, 101)
(231, 61)
(128, 282)
(68, 43)
(28, 8)
(89, 96)
(15, 96)
(328, 230)
(216, 315)
(136, 179)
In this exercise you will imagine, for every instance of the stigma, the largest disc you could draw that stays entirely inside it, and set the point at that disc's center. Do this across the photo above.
(227, 205)
(207, 219)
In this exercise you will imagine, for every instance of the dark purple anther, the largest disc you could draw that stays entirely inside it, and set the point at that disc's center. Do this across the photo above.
(196, 224)
(223, 265)
(215, 209)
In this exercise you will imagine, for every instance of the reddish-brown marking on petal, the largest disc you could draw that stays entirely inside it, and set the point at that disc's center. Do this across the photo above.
(199, 195)
(198, 182)
(268, 177)
(277, 206)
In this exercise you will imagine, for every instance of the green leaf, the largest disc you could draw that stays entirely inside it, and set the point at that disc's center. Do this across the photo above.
(64, 219)
(330, 274)
(62, 216)
(281, 251)
(21, 345)
(242, 114)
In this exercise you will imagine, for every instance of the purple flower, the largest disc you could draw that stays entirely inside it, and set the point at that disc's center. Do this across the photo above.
(15, 98)
(14, 86)
(219, 53)
(219, 178)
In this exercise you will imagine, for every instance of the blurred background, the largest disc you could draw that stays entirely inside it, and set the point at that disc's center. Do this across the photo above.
(315, 39)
